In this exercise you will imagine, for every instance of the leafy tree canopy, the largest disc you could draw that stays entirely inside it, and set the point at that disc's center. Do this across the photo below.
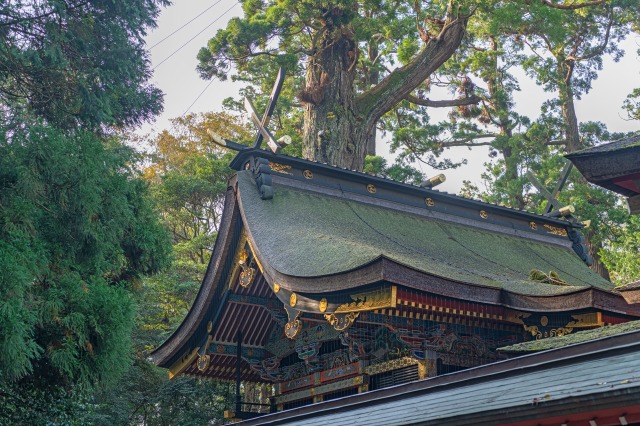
(78, 62)
(76, 234)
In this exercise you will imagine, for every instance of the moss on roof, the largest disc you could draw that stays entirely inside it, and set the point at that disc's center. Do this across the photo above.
(569, 339)
(307, 234)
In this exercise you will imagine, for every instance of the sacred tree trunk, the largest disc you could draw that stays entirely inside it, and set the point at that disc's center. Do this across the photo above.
(333, 132)
(338, 123)
(572, 144)
(567, 103)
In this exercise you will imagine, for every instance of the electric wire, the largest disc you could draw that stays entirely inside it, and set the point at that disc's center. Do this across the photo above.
(186, 23)
(194, 37)
(198, 97)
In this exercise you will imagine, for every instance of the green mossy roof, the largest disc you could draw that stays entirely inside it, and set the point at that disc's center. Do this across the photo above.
(569, 339)
(307, 234)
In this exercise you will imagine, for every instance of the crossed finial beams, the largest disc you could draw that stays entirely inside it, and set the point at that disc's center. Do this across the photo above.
(263, 133)
(554, 208)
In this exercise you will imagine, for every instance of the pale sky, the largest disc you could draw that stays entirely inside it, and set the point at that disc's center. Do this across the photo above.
(178, 79)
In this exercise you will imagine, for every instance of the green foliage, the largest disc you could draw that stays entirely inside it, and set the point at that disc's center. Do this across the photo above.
(76, 62)
(77, 228)
(188, 175)
(632, 104)
(148, 397)
(377, 166)
(76, 234)
(28, 403)
(622, 251)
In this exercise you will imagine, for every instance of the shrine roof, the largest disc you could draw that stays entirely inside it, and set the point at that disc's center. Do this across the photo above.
(312, 231)
(615, 165)
(618, 145)
(570, 339)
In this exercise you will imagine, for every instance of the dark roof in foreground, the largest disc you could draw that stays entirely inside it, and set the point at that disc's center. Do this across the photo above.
(615, 166)
(633, 141)
(570, 339)
(579, 380)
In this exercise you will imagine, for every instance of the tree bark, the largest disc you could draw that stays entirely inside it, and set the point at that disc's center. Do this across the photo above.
(573, 143)
(338, 126)
(332, 132)
(373, 79)
(567, 101)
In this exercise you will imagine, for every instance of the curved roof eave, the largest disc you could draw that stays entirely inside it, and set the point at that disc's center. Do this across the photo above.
(166, 352)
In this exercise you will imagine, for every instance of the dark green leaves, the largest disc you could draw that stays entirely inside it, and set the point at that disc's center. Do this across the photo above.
(79, 63)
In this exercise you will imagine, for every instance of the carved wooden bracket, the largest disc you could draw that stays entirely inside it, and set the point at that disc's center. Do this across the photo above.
(294, 325)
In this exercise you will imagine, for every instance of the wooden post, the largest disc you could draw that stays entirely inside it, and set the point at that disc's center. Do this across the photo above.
(238, 365)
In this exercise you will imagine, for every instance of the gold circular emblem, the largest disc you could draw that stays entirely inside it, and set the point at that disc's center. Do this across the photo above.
(293, 299)
(371, 188)
(247, 276)
(484, 214)
(429, 202)
(322, 305)
(276, 287)
(544, 321)
(533, 225)
(308, 174)
(203, 362)
(220, 349)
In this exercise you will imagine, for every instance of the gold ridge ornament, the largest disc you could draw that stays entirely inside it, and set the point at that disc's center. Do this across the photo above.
(341, 322)
(322, 305)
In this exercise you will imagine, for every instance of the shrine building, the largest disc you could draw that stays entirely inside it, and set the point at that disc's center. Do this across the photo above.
(615, 166)
(326, 283)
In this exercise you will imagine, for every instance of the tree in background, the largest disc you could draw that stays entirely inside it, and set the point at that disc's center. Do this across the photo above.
(76, 234)
(78, 62)
(563, 50)
(77, 227)
(355, 62)
(338, 53)
(187, 174)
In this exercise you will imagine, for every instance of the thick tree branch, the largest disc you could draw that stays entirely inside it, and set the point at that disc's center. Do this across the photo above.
(600, 49)
(397, 85)
(472, 100)
(470, 140)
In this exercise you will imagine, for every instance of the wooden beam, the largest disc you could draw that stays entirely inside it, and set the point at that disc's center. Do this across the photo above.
(228, 349)
(263, 132)
(250, 300)
(271, 106)
(544, 191)
(563, 179)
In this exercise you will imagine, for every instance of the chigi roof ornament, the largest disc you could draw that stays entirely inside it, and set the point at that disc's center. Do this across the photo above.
(557, 210)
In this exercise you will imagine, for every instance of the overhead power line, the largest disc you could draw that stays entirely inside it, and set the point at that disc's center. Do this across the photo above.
(187, 23)
(194, 37)
(197, 97)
